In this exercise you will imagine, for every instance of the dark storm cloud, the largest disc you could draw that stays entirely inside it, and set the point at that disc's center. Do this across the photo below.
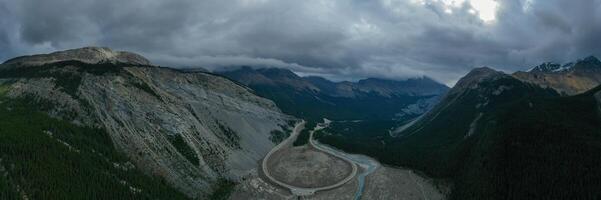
(347, 39)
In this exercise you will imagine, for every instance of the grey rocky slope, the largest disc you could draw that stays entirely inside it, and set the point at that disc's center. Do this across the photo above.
(87, 55)
(192, 129)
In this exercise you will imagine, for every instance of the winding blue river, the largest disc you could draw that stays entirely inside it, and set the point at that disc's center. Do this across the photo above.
(368, 164)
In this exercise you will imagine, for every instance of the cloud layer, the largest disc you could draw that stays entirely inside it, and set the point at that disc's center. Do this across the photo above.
(346, 39)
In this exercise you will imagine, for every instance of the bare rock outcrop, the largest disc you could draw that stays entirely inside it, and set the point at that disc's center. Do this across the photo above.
(90, 55)
(569, 79)
(190, 128)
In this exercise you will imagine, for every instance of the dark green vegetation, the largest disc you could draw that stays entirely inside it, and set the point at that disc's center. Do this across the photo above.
(7, 190)
(67, 80)
(68, 74)
(439, 144)
(183, 148)
(529, 143)
(548, 151)
(224, 190)
(47, 158)
(277, 136)
(230, 136)
(366, 137)
(315, 107)
(305, 134)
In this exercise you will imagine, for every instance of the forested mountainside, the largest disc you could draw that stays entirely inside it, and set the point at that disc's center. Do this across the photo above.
(188, 131)
(47, 158)
(494, 136)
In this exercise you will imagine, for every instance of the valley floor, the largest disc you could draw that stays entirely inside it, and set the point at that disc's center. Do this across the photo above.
(371, 181)
(383, 183)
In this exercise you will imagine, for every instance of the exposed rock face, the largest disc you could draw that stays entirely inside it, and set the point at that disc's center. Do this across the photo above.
(89, 55)
(189, 128)
(475, 76)
(550, 67)
(569, 79)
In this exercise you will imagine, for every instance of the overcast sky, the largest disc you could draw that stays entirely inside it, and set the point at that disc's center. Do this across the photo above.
(341, 40)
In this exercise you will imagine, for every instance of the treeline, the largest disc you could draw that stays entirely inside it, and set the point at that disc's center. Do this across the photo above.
(312, 106)
(550, 150)
(531, 148)
(47, 158)
(305, 134)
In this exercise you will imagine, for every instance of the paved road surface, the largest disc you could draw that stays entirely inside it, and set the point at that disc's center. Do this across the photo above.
(301, 191)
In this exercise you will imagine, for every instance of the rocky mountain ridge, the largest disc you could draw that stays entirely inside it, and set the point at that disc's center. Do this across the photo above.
(316, 97)
(90, 55)
(568, 79)
(421, 86)
(551, 67)
(192, 129)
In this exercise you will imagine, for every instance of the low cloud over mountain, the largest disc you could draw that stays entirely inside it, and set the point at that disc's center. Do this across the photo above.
(343, 40)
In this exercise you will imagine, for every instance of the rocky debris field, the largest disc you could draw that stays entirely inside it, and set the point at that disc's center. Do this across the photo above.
(305, 167)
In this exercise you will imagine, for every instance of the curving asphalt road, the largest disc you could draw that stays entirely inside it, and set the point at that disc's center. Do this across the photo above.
(302, 191)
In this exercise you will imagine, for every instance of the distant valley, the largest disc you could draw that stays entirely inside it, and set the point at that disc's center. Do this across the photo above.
(315, 98)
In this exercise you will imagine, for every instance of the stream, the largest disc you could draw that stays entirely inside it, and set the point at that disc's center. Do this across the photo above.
(368, 164)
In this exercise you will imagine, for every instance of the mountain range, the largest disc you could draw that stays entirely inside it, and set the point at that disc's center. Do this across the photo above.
(316, 97)
(501, 136)
(94, 123)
